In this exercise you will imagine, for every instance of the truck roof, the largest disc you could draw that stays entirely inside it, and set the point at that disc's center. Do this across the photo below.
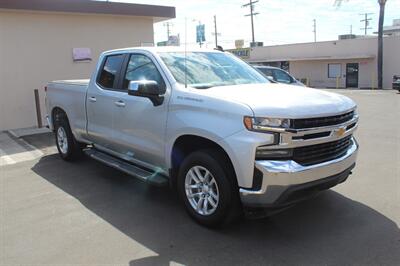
(159, 49)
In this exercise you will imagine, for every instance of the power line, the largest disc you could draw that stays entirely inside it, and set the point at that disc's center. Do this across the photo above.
(252, 14)
(366, 21)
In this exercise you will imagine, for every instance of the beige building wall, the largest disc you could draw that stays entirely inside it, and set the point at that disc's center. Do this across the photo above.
(36, 47)
(310, 60)
(317, 72)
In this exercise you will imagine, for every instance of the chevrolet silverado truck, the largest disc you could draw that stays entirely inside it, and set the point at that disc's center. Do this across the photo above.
(207, 124)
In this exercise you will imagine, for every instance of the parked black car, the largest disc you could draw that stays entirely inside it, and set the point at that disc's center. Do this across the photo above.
(396, 82)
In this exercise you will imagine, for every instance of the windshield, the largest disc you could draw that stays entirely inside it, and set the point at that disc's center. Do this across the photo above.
(209, 69)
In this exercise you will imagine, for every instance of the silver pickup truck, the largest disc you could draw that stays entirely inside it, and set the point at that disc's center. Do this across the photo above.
(207, 124)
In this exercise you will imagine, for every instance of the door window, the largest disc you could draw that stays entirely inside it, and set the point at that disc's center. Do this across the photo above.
(110, 70)
(140, 67)
(282, 77)
(267, 72)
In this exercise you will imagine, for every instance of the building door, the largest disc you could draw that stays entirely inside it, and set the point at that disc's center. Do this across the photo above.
(352, 75)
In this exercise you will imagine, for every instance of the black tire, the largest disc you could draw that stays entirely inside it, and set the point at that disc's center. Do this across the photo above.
(73, 149)
(228, 208)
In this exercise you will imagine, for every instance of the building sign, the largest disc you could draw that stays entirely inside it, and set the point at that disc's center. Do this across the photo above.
(239, 44)
(200, 33)
(241, 52)
(81, 54)
(163, 43)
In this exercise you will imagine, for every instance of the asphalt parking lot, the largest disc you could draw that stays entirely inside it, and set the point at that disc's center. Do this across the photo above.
(54, 212)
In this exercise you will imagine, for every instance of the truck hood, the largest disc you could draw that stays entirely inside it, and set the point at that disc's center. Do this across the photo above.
(284, 101)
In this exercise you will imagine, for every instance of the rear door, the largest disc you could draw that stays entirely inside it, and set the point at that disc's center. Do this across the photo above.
(101, 99)
(139, 125)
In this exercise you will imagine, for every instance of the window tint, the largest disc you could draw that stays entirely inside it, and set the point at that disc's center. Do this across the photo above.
(140, 67)
(282, 77)
(110, 69)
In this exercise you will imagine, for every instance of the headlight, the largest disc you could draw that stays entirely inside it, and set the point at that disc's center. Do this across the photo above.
(265, 124)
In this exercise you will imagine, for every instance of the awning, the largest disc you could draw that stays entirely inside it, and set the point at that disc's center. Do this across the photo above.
(318, 58)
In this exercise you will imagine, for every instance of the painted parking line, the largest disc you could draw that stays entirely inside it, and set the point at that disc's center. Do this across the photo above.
(5, 159)
(14, 151)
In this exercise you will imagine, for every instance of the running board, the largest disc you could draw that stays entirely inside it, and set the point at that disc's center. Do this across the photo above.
(128, 168)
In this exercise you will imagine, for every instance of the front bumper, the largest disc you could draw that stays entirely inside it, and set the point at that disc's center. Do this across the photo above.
(286, 182)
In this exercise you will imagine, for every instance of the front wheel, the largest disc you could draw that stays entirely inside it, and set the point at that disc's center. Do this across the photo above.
(206, 184)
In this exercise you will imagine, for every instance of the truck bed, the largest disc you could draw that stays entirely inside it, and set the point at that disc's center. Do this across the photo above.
(69, 95)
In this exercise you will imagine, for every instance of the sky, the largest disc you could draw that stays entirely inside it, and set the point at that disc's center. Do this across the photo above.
(278, 22)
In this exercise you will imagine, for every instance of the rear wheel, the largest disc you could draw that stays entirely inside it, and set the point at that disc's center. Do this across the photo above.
(206, 184)
(68, 148)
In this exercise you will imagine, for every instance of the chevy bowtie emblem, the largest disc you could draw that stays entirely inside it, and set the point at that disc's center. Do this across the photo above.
(340, 131)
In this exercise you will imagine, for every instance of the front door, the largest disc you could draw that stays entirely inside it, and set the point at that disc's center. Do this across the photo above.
(139, 126)
(352, 75)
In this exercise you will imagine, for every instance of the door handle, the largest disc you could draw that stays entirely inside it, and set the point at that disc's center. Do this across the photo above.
(92, 99)
(120, 103)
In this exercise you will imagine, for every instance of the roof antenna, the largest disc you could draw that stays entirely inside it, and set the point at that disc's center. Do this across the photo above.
(185, 52)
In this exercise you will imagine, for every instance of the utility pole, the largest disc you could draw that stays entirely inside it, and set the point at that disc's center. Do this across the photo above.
(315, 29)
(351, 29)
(252, 14)
(382, 4)
(168, 25)
(216, 32)
(366, 21)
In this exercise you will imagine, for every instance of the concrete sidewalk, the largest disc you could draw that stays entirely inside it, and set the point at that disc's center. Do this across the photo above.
(13, 150)
(22, 132)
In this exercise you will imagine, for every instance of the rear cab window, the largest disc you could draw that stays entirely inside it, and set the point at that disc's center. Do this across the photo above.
(107, 77)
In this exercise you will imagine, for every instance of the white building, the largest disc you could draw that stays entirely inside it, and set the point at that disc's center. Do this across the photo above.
(341, 63)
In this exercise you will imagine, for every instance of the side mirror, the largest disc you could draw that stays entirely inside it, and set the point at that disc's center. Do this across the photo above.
(148, 89)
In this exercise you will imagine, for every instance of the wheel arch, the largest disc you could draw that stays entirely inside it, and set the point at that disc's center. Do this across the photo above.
(58, 113)
(188, 143)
